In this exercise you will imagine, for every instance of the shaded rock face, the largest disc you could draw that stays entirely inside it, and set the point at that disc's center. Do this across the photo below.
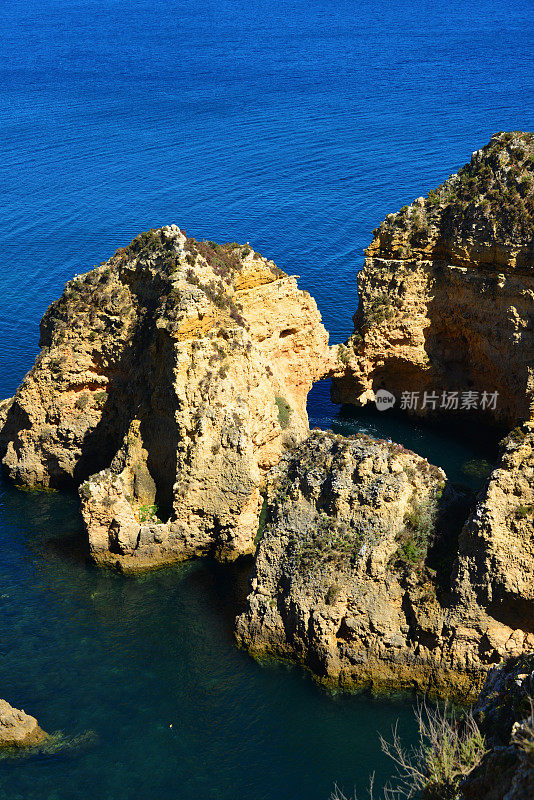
(170, 379)
(18, 729)
(504, 714)
(496, 547)
(446, 296)
(355, 574)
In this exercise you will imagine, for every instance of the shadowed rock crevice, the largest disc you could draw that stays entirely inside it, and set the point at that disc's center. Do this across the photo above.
(159, 431)
(427, 592)
(174, 377)
(376, 586)
(171, 379)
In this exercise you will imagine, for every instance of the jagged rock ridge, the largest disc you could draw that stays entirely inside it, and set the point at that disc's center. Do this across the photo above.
(174, 377)
(362, 575)
(446, 306)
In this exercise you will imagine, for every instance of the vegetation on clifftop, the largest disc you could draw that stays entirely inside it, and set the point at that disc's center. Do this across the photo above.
(491, 199)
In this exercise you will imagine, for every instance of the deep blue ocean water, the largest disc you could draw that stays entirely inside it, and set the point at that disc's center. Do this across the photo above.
(295, 126)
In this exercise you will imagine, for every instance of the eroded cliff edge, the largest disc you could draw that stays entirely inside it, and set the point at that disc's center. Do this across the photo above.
(171, 388)
(438, 594)
(446, 293)
(170, 379)
(366, 575)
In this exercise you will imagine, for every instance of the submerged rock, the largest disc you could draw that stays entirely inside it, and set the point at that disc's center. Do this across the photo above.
(170, 379)
(18, 729)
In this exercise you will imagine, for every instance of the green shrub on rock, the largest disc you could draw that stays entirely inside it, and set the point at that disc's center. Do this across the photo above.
(284, 411)
(148, 512)
(415, 538)
(448, 749)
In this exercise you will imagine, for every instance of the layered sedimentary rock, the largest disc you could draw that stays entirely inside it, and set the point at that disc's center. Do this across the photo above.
(496, 548)
(447, 308)
(170, 379)
(171, 389)
(18, 729)
(446, 295)
(357, 574)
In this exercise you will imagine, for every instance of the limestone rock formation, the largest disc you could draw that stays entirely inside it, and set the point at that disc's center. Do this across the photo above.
(496, 548)
(171, 389)
(446, 293)
(170, 379)
(446, 306)
(356, 572)
(18, 729)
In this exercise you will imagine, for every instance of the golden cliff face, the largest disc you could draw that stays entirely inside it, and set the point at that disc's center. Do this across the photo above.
(171, 389)
(447, 291)
(496, 548)
(171, 379)
(365, 574)
(446, 306)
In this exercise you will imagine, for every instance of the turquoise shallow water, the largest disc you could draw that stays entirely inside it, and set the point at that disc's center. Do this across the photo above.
(296, 126)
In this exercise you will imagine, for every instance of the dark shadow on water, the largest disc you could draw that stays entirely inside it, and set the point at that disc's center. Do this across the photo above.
(225, 587)
(467, 450)
(73, 547)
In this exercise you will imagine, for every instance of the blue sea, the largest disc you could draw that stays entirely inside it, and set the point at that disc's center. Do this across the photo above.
(295, 126)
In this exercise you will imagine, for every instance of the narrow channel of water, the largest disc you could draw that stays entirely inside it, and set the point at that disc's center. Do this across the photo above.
(466, 452)
(297, 127)
(148, 665)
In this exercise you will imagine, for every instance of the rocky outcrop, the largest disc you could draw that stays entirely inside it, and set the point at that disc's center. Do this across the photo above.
(357, 577)
(445, 316)
(496, 547)
(170, 379)
(445, 323)
(18, 729)
(171, 389)
(446, 295)
(505, 715)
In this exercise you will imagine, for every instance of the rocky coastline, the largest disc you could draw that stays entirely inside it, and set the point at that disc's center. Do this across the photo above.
(366, 574)
(171, 390)
(18, 729)
(445, 294)
(170, 380)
